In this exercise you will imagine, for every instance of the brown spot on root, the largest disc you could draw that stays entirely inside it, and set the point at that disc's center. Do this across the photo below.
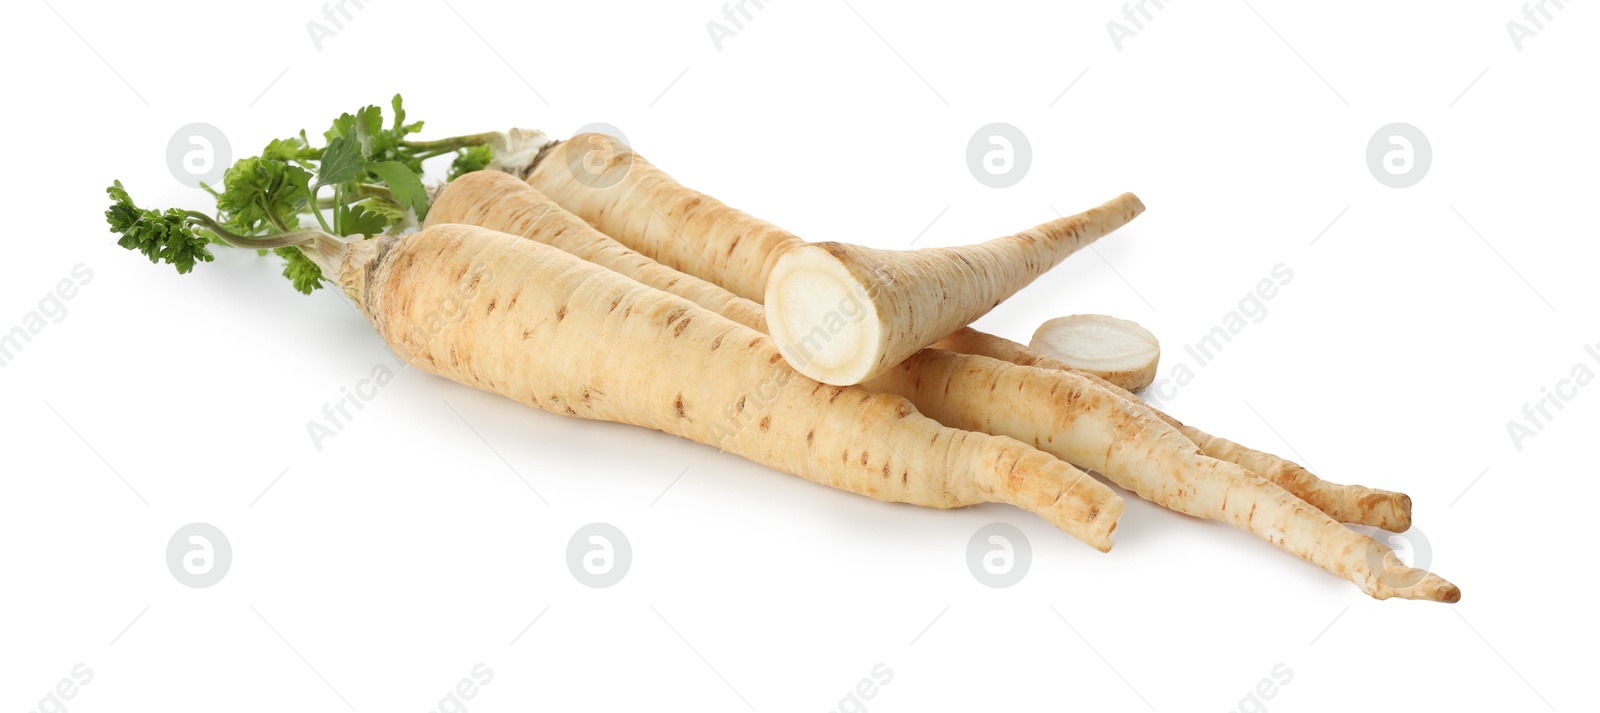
(810, 435)
(837, 392)
(492, 302)
(1252, 516)
(886, 470)
(677, 405)
(734, 243)
(527, 334)
(570, 412)
(754, 342)
(561, 313)
(903, 476)
(863, 457)
(774, 358)
(765, 422)
(674, 315)
(717, 342)
(739, 406)
(1094, 512)
(514, 297)
(614, 304)
(681, 326)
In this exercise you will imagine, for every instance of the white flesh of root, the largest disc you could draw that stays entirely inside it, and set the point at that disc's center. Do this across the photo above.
(1117, 350)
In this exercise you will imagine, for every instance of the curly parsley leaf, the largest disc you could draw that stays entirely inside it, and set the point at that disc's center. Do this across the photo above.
(469, 159)
(261, 196)
(160, 236)
(300, 270)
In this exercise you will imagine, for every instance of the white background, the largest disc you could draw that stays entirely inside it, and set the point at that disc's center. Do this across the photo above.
(374, 574)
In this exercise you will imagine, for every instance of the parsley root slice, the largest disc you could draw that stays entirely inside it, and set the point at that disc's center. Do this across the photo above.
(1117, 350)
(1355, 504)
(620, 192)
(1075, 417)
(839, 313)
(552, 331)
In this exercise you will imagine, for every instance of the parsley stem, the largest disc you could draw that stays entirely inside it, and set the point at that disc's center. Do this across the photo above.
(441, 146)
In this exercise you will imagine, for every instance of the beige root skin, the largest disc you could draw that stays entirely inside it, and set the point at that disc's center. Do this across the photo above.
(1077, 419)
(644, 208)
(545, 328)
(506, 203)
(908, 299)
(1356, 504)
(603, 181)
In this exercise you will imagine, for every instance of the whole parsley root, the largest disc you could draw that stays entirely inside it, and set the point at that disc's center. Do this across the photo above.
(1068, 415)
(1356, 504)
(538, 325)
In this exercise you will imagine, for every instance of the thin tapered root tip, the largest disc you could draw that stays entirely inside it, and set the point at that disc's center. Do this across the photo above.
(1400, 516)
(1097, 530)
(1428, 587)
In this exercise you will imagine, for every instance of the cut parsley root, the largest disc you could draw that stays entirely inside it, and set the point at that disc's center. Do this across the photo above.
(1068, 415)
(840, 313)
(1117, 350)
(574, 338)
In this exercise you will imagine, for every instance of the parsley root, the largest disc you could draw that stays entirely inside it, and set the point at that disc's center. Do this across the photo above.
(1356, 504)
(568, 336)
